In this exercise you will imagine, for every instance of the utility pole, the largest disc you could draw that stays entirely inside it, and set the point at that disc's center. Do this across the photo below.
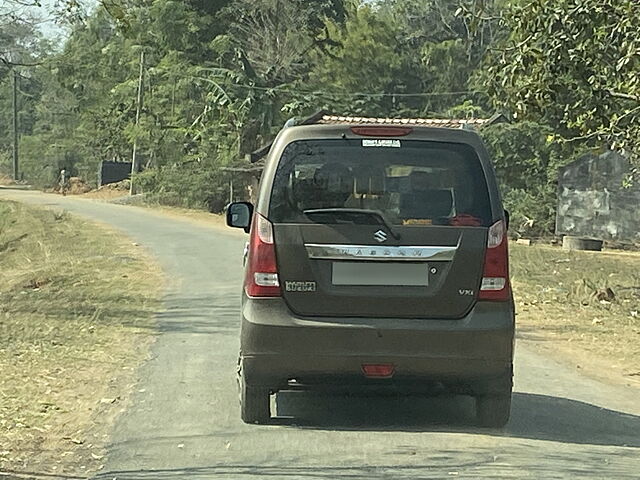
(16, 170)
(135, 163)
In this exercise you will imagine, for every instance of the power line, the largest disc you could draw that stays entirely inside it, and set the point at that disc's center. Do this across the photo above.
(359, 94)
(353, 94)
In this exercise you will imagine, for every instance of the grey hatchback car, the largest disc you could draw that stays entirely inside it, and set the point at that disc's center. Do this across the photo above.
(377, 262)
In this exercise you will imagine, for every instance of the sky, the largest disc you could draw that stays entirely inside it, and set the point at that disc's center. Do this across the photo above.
(49, 27)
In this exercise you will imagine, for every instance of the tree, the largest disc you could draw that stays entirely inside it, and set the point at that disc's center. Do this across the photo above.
(22, 49)
(417, 55)
(573, 64)
(21, 45)
(363, 60)
(473, 22)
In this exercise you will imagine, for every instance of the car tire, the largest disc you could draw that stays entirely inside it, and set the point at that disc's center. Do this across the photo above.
(254, 403)
(493, 411)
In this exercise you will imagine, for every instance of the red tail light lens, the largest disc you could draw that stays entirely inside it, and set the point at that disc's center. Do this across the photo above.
(495, 277)
(261, 278)
(382, 131)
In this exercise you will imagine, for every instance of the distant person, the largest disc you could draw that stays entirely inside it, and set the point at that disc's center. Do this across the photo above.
(64, 182)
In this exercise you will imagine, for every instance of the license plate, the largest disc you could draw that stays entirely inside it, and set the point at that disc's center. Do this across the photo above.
(382, 273)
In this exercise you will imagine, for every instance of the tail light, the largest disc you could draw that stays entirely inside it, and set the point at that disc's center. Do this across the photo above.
(383, 131)
(495, 277)
(261, 278)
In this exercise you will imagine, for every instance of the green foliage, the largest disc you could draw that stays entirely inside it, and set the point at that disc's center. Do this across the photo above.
(409, 57)
(526, 158)
(191, 185)
(22, 48)
(220, 77)
(362, 59)
(574, 64)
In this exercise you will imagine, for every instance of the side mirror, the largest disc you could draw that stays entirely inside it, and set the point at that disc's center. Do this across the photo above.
(239, 215)
(507, 218)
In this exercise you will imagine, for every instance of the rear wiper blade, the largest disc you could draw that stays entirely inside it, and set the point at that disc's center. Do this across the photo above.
(360, 212)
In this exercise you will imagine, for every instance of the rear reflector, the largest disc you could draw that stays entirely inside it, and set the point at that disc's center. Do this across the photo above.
(380, 370)
(261, 278)
(495, 277)
(382, 131)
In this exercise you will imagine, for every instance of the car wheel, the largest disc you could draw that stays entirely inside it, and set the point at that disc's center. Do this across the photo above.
(493, 411)
(254, 402)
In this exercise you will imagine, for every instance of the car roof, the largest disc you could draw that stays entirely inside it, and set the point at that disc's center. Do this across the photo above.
(337, 131)
(323, 117)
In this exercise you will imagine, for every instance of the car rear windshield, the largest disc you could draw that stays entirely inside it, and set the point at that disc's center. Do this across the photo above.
(410, 182)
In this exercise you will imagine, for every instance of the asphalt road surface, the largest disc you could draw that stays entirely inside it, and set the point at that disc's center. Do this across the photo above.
(184, 420)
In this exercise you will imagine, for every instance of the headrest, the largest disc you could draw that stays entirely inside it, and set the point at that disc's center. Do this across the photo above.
(334, 177)
(421, 181)
(429, 203)
(370, 182)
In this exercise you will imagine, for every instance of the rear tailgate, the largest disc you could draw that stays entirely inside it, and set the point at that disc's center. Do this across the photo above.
(420, 256)
(336, 270)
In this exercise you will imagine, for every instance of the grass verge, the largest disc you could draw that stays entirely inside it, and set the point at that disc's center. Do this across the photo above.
(76, 317)
(583, 305)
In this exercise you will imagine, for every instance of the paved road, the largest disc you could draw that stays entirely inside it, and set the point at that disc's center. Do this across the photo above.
(184, 421)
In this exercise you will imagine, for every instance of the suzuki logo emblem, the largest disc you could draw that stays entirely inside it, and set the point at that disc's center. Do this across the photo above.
(380, 236)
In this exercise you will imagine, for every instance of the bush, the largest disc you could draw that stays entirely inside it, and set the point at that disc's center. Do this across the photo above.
(189, 185)
(527, 157)
(531, 215)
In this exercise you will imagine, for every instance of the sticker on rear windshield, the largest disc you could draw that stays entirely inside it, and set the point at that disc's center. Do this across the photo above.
(381, 143)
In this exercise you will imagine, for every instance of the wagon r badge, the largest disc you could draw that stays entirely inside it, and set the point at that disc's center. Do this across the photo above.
(380, 236)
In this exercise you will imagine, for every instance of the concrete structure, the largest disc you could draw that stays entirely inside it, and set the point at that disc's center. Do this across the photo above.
(593, 201)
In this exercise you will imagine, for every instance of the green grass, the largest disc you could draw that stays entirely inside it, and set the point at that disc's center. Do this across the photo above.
(562, 295)
(76, 314)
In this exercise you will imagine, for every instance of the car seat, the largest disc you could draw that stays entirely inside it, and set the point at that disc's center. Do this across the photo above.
(423, 201)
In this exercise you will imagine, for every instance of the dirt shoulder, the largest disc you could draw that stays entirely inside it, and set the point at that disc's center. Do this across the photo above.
(199, 217)
(118, 193)
(583, 307)
(77, 303)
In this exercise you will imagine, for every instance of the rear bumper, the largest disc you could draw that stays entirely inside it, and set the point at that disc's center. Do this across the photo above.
(473, 354)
